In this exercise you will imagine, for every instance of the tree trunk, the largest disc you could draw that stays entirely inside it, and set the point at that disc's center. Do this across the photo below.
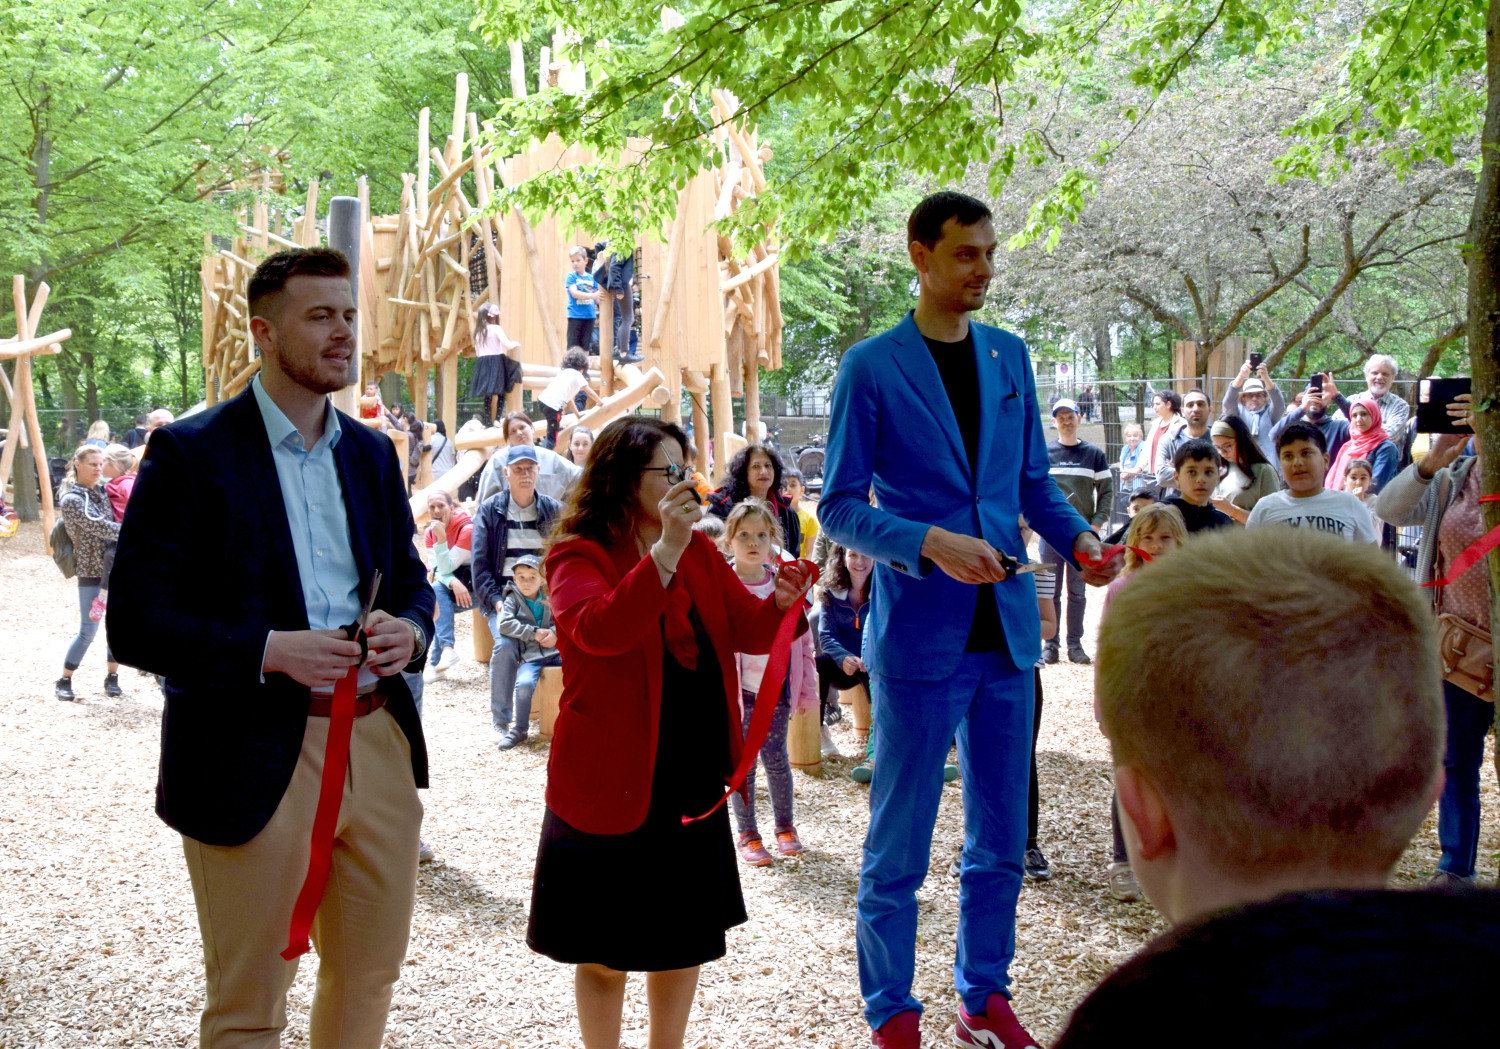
(1484, 302)
(1107, 397)
(90, 387)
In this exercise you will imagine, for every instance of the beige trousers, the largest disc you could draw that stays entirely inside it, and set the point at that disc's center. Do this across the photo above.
(245, 894)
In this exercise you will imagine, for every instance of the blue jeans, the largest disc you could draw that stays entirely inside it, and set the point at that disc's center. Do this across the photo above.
(778, 768)
(505, 662)
(1458, 809)
(88, 589)
(526, 678)
(445, 614)
(986, 702)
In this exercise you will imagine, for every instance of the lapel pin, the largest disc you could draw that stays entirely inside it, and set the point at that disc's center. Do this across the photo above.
(994, 353)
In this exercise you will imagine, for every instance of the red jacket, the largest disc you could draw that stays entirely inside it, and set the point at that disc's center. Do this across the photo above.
(607, 605)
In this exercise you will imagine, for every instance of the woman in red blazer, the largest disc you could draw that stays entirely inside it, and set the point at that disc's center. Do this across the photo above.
(648, 617)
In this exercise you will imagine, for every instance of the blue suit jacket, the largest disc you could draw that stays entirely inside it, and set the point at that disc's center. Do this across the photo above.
(893, 429)
(205, 569)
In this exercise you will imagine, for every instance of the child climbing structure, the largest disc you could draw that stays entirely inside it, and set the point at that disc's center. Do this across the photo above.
(710, 319)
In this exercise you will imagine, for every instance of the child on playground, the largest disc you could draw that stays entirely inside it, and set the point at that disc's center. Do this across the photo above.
(752, 535)
(1199, 469)
(841, 635)
(1303, 452)
(571, 380)
(794, 487)
(1155, 531)
(1306, 769)
(1359, 479)
(526, 615)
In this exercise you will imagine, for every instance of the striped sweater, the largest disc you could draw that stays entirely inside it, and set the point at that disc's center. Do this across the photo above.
(1082, 472)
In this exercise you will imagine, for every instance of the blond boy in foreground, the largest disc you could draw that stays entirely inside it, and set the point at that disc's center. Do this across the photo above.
(1274, 708)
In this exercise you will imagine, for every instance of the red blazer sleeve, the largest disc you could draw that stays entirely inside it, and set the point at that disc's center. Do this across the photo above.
(601, 617)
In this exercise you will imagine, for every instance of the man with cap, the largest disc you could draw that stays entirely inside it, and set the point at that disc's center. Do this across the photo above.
(1255, 399)
(509, 525)
(1082, 471)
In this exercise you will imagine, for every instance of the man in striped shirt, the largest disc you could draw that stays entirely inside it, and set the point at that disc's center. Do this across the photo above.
(1082, 471)
(510, 524)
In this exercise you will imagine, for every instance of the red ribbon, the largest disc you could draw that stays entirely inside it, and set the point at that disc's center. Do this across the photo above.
(325, 820)
(1473, 552)
(1110, 551)
(770, 685)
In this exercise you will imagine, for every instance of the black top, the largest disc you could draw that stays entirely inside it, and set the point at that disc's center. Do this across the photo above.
(955, 363)
(1353, 969)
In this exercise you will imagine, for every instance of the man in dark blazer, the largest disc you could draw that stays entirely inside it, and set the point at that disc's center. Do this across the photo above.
(256, 529)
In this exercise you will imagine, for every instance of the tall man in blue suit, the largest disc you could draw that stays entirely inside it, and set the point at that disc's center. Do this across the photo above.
(253, 535)
(951, 640)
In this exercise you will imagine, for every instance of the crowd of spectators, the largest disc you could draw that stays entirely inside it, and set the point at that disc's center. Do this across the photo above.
(549, 548)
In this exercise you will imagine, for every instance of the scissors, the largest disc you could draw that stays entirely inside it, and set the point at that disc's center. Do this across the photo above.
(355, 631)
(1014, 568)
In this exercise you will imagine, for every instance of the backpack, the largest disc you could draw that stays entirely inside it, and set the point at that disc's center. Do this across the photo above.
(62, 549)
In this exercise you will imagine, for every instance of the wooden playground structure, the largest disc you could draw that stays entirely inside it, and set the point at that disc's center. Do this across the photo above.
(709, 319)
(24, 430)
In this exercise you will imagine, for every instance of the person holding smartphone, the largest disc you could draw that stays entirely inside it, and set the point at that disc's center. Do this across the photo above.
(1314, 411)
(1255, 399)
(1442, 494)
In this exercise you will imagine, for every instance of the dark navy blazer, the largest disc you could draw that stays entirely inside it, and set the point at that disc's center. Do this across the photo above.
(205, 569)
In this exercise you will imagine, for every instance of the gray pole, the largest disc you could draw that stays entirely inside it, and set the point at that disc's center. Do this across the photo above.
(343, 235)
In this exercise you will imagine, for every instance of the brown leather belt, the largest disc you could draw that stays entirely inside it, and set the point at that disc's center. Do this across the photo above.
(369, 700)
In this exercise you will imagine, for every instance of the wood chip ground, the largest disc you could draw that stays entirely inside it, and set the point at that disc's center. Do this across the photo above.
(99, 941)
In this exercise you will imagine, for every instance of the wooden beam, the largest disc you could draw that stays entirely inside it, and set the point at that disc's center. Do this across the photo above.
(722, 405)
(467, 466)
(745, 276)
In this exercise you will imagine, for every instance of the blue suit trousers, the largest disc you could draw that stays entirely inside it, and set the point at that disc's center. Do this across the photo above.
(986, 702)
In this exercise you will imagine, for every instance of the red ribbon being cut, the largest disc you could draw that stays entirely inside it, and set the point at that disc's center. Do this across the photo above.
(1473, 552)
(1111, 551)
(325, 820)
(770, 685)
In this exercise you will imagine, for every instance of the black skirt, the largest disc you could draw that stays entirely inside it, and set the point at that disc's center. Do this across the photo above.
(661, 896)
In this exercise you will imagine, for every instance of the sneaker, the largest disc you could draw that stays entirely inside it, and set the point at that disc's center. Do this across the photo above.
(1076, 654)
(449, 658)
(499, 732)
(513, 738)
(431, 673)
(787, 842)
(425, 853)
(995, 1028)
(1036, 865)
(863, 772)
(631, 358)
(830, 748)
(950, 773)
(835, 714)
(1049, 655)
(902, 1031)
(64, 688)
(1122, 883)
(753, 853)
(112, 686)
(1448, 880)
(96, 610)
(956, 868)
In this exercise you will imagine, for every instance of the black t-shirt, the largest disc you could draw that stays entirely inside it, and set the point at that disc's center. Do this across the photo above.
(960, 374)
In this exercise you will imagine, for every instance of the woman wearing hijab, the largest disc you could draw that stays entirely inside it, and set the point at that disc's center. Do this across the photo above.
(1368, 441)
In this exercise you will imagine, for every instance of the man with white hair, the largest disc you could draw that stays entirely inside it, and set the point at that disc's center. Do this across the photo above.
(1380, 372)
(157, 419)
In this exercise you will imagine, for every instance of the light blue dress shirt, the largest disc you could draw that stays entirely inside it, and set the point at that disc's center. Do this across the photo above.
(319, 522)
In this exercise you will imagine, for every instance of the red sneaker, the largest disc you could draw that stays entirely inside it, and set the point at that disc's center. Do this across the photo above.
(753, 852)
(787, 842)
(901, 1031)
(995, 1028)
